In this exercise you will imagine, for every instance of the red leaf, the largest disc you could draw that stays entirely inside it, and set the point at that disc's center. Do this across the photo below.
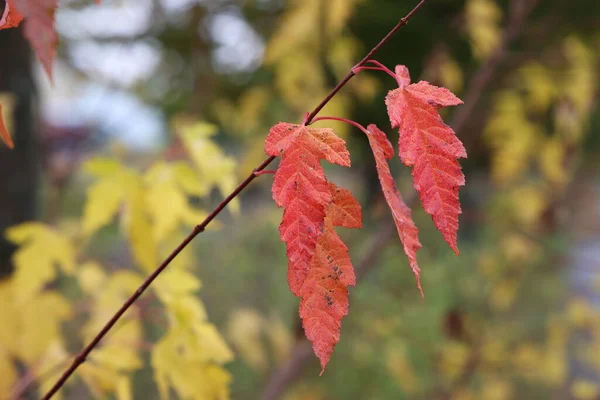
(407, 230)
(431, 147)
(300, 187)
(324, 293)
(39, 26)
(325, 142)
(11, 18)
(4, 134)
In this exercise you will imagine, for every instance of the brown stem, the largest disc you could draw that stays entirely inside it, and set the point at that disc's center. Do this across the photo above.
(81, 357)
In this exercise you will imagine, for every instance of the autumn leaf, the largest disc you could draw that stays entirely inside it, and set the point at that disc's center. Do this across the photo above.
(407, 230)
(300, 187)
(11, 17)
(39, 26)
(324, 293)
(431, 147)
(4, 134)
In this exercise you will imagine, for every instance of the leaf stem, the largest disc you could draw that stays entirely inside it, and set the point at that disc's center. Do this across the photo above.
(81, 357)
(379, 67)
(348, 121)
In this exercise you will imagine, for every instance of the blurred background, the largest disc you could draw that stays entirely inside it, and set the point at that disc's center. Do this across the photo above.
(158, 108)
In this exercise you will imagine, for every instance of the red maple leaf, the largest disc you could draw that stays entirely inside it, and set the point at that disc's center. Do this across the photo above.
(300, 187)
(431, 147)
(324, 293)
(407, 230)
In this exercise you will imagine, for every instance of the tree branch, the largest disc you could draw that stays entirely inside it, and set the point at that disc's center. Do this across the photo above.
(81, 357)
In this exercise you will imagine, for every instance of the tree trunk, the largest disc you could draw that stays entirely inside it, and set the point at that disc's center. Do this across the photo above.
(18, 167)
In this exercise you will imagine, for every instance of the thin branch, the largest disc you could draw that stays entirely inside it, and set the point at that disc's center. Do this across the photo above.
(81, 357)
(293, 367)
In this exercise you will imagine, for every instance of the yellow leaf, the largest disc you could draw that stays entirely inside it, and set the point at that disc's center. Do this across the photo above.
(585, 390)
(188, 179)
(513, 138)
(48, 369)
(245, 329)
(90, 277)
(400, 367)
(581, 82)
(503, 294)
(483, 26)
(451, 75)
(185, 371)
(102, 204)
(540, 86)
(139, 230)
(526, 359)
(281, 338)
(497, 389)
(102, 167)
(454, 359)
(167, 202)
(214, 166)
(552, 161)
(45, 313)
(579, 313)
(124, 389)
(41, 248)
(174, 283)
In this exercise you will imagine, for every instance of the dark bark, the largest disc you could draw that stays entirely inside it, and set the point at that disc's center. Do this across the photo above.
(18, 167)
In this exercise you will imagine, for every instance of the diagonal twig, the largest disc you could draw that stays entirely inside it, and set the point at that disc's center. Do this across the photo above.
(81, 357)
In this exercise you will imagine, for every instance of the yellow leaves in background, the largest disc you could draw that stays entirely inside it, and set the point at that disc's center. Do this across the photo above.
(540, 86)
(585, 390)
(104, 198)
(400, 367)
(483, 26)
(189, 357)
(20, 338)
(450, 74)
(151, 207)
(454, 358)
(245, 333)
(515, 131)
(108, 367)
(497, 389)
(581, 82)
(167, 198)
(513, 138)
(41, 250)
(247, 330)
(214, 167)
(118, 188)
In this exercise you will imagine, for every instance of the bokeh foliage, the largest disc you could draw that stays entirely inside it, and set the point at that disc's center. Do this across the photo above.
(502, 321)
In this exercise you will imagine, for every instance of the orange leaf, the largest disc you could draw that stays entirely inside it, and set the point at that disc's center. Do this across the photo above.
(300, 187)
(431, 147)
(4, 134)
(324, 293)
(11, 18)
(407, 230)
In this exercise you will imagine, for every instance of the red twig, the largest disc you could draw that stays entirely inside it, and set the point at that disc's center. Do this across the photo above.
(348, 121)
(81, 357)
